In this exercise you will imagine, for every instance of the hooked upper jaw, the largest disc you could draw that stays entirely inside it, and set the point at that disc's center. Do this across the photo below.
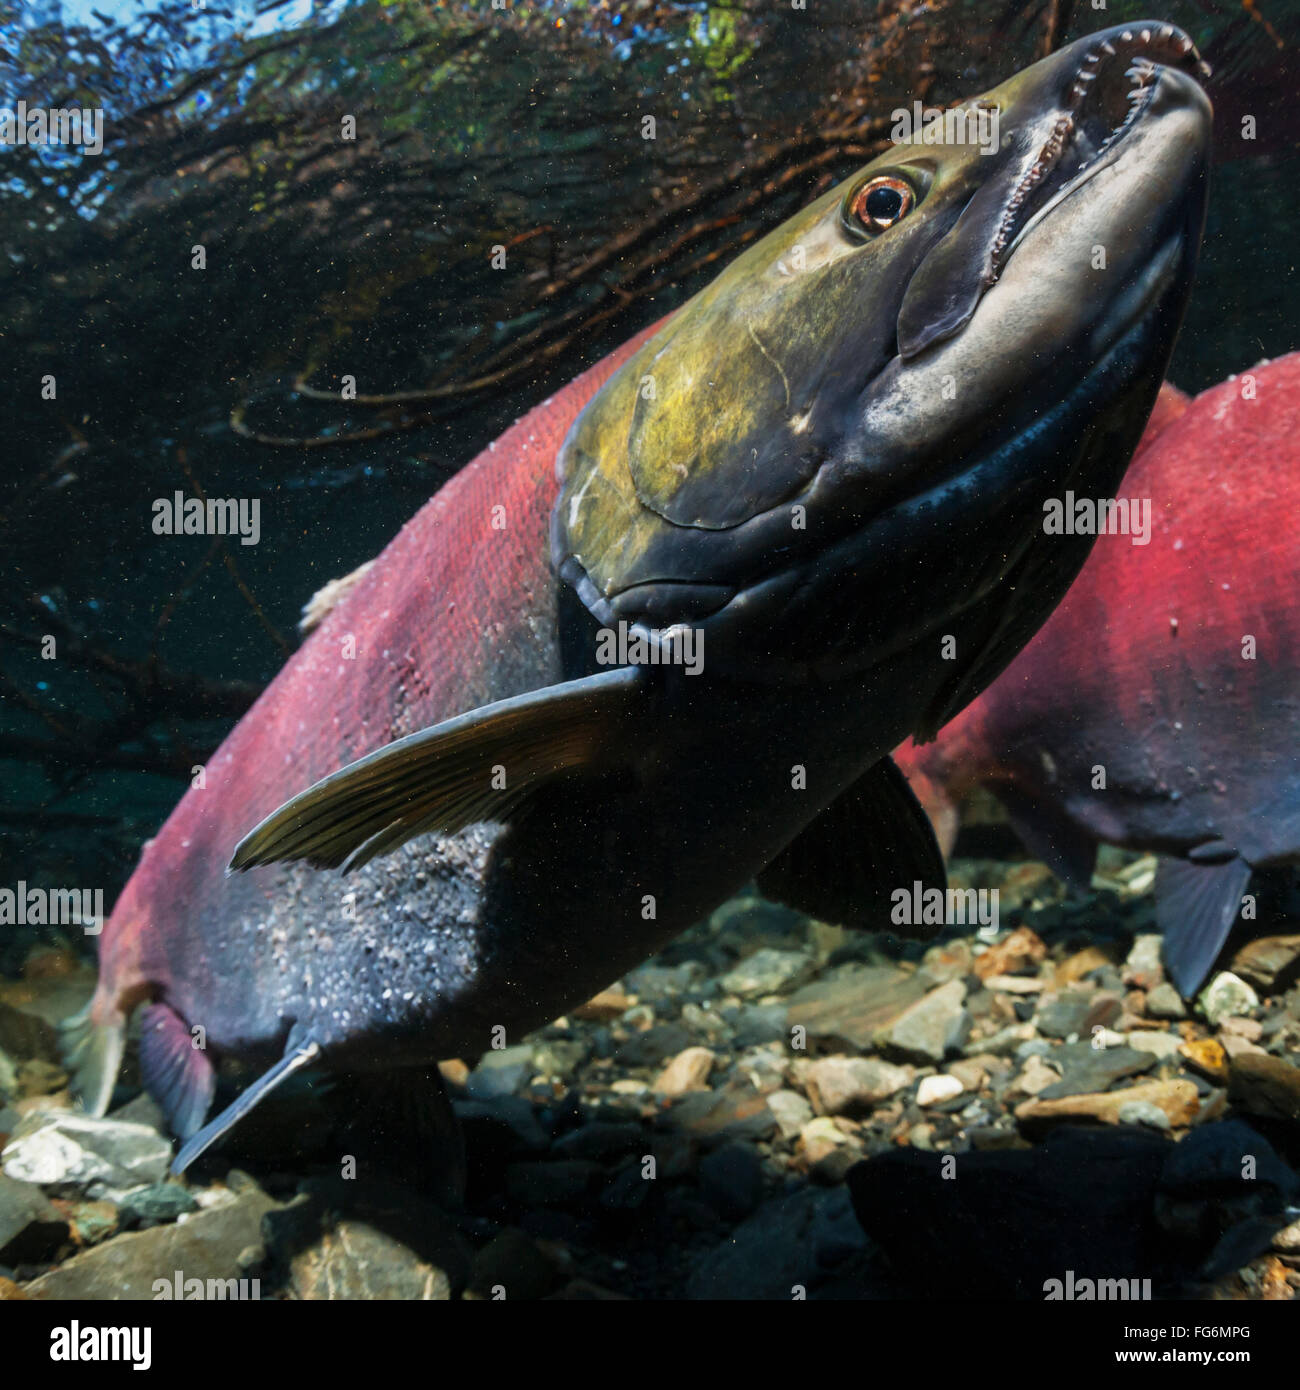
(972, 320)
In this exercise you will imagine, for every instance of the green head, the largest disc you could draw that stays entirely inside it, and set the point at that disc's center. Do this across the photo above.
(847, 437)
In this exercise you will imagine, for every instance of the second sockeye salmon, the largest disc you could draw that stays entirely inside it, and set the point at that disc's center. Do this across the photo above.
(829, 467)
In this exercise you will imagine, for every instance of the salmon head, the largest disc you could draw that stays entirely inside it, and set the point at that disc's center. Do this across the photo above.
(877, 397)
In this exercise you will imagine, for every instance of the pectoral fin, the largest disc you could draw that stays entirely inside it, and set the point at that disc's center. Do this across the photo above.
(479, 766)
(1196, 905)
(872, 839)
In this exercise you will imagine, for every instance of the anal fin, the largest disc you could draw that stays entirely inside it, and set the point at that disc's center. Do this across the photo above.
(300, 1052)
(179, 1076)
(1196, 905)
(843, 867)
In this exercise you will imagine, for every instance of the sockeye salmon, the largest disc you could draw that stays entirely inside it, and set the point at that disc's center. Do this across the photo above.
(1158, 708)
(828, 468)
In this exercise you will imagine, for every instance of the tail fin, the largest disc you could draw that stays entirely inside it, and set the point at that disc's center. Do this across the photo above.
(91, 1046)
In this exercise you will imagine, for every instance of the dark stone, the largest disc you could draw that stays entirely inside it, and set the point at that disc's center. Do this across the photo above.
(559, 1184)
(511, 1266)
(31, 1228)
(1087, 1070)
(603, 1140)
(163, 1201)
(793, 1241)
(24, 1036)
(731, 1179)
(737, 1111)
(655, 1046)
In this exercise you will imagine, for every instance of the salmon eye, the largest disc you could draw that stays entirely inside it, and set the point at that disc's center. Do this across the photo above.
(882, 202)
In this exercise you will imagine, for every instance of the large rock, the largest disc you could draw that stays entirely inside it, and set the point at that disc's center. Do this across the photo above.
(792, 1242)
(1270, 963)
(929, 1029)
(851, 1009)
(354, 1261)
(1266, 1086)
(737, 1111)
(1085, 1069)
(68, 1152)
(1178, 1099)
(850, 1085)
(363, 1239)
(205, 1246)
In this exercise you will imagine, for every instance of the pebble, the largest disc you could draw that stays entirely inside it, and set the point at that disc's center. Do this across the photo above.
(929, 1029)
(820, 1137)
(1020, 951)
(157, 1203)
(1142, 1112)
(1035, 1077)
(843, 1085)
(501, 1072)
(971, 1072)
(1144, 968)
(951, 960)
(1160, 1045)
(735, 1112)
(1206, 1055)
(791, 1111)
(1165, 1002)
(1227, 995)
(767, 972)
(688, 1071)
(934, 1090)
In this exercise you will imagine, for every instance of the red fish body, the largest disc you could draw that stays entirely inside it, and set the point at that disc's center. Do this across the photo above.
(1159, 707)
(457, 612)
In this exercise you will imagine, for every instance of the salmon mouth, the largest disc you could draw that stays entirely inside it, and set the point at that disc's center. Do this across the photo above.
(1112, 90)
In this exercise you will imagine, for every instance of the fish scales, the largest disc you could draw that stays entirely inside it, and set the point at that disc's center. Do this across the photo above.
(423, 650)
